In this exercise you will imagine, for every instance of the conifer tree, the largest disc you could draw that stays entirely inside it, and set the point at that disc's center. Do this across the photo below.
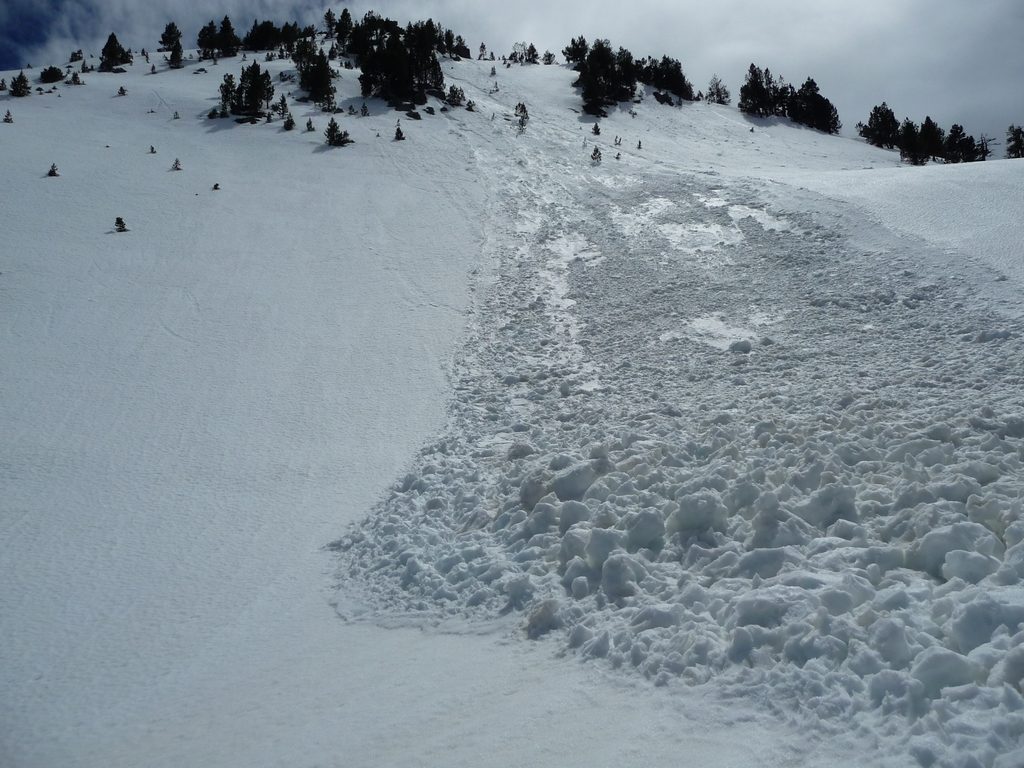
(53, 170)
(289, 122)
(1014, 142)
(227, 93)
(316, 77)
(754, 93)
(576, 51)
(932, 139)
(207, 40)
(882, 129)
(3, 85)
(343, 29)
(255, 91)
(960, 146)
(808, 107)
(176, 56)
(456, 96)
(335, 136)
(176, 166)
(20, 85)
(399, 135)
(910, 143)
(119, 225)
(717, 92)
(8, 118)
(113, 55)
(309, 125)
(170, 36)
(329, 23)
(227, 40)
(51, 75)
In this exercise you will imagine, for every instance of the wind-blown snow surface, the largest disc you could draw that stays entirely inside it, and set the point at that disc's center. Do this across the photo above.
(818, 529)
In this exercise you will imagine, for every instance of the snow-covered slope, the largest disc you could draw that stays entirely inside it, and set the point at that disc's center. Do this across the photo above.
(817, 535)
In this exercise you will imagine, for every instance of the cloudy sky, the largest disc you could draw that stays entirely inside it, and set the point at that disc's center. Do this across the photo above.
(954, 60)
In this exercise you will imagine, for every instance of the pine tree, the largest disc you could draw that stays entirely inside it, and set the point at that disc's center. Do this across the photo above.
(343, 29)
(176, 165)
(170, 36)
(576, 51)
(984, 148)
(717, 92)
(329, 22)
(309, 126)
(119, 225)
(596, 130)
(255, 89)
(399, 136)
(456, 96)
(596, 155)
(1014, 142)
(910, 143)
(20, 85)
(51, 75)
(808, 107)
(335, 136)
(316, 77)
(53, 170)
(227, 40)
(755, 96)
(8, 118)
(289, 122)
(227, 93)
(113, 55)
(122, 91)
(207, 41)
(176, 56)
(3, 85)
(882, 129)
(960, 147)
(932, 139)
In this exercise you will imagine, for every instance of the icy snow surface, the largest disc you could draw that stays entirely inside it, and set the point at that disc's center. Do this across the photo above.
(724, 420)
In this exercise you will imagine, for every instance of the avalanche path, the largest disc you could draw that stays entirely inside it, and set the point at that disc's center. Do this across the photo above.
(734, 436)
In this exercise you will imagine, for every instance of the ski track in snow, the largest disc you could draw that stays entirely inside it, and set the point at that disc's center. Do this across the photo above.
(728, 434)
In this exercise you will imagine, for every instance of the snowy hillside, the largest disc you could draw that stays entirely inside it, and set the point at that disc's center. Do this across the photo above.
(731, 426)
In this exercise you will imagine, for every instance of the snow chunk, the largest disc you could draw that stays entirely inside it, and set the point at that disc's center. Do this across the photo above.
(929, 553)
(697, 512)
(937, 668)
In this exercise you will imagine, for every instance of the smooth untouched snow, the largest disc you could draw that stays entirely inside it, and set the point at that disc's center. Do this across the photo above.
(726, 414)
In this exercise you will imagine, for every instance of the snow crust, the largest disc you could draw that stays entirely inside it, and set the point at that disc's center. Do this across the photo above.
(736, 419)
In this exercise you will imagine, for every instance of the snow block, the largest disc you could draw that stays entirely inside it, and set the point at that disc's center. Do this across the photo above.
(937, 668)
